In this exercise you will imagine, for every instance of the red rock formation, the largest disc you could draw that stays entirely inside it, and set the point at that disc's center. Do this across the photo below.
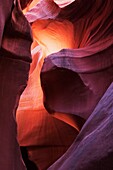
(75, 75)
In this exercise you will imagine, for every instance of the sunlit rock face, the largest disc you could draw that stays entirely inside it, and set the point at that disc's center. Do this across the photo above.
(45, 137)
(63, 3)
(71, 71)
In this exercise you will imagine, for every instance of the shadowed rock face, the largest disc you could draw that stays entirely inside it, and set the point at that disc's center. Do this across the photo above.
(93, 147)
(14, 69)
(29, 164)
(73, 81)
